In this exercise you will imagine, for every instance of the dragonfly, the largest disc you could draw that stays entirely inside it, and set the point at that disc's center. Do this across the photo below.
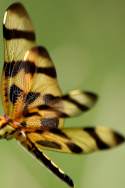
(34, 105)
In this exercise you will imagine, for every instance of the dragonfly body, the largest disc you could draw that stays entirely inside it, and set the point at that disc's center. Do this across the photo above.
(34, 104)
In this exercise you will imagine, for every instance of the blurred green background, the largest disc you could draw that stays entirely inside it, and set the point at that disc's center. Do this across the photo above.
(86, 40)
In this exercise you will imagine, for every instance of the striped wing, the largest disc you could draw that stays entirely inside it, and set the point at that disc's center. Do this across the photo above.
(75, 140)
(19, 37)
(71, 104)
(43, 81)
(29, 78)
(43, 99)
(46, 87)
(48, 114)
(45, 78)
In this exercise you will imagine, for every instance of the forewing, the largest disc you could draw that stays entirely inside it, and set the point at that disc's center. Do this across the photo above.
(45, 79)
(45, 86)
(76, 140)
(71, 104)
(50, 108)
(44, 82)
(19, 37)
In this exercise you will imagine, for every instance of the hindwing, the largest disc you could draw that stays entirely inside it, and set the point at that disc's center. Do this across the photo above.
(76, 140)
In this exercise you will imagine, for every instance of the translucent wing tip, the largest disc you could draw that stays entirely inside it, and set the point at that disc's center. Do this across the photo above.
(17, 7)
(106, 137)
(17, 18)
(84, 100)
(40, 51)
(92, 95)
(119, 138)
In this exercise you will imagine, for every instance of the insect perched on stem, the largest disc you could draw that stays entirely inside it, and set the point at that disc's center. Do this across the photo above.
(33, 103)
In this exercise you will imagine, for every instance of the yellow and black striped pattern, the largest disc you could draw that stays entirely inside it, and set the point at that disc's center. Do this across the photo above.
(33, 102)
(75, 140)
(19, 36)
